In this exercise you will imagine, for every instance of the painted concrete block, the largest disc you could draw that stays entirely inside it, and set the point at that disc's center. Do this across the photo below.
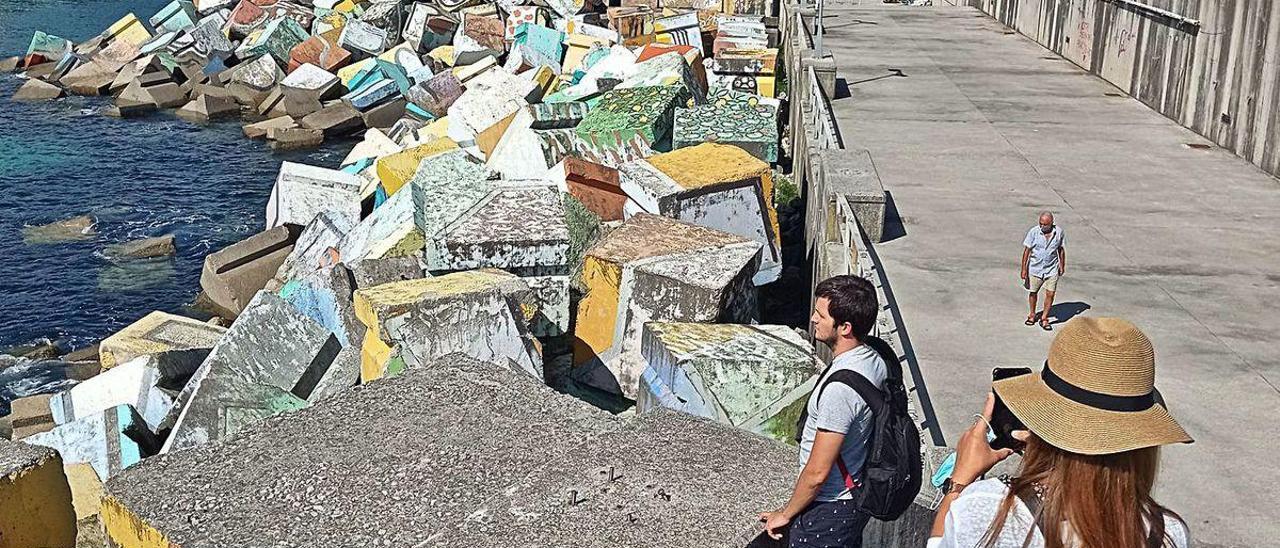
(624, 115)
(111, 441)
(632, 22)
(576, 48)
(390, 231)
(140, 383)
(325, 297)
(395, 170)
(754, 377)
(668, 69)
(37, 509)
(596, 186)
(436, 94)
(245, 18)
(486, 101)
(319, 51)
(526, 153)
(428, 28)
(513, 226)
(316, 248)
(712, 185)
(46, 48)
(375, 272)
(176, 342)
(175, 16)
(656, 269)
(270, 361)
(521, 15)
(359, 36)
(483, 314)
(250, 82)
(128, 29)
(278, 39)
(234, 274)
(480, 33)
(747, 121)
(372, 94)
(682, 29)
(745, 70)
(303, 191)
(541, 45)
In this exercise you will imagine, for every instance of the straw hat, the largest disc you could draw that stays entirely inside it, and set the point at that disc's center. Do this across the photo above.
(1096, 394)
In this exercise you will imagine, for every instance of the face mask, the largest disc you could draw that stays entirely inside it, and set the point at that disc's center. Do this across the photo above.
(1046, 229)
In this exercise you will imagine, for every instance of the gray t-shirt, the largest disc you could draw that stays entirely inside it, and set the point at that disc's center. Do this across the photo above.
(843, 411)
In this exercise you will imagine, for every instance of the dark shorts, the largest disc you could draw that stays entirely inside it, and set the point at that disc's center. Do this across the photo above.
(829, 524)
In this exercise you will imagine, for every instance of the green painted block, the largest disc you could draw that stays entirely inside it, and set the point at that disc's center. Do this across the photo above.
(623, 115)
(745, 120)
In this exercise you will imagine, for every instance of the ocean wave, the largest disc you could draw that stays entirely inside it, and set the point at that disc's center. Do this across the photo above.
(22, 377)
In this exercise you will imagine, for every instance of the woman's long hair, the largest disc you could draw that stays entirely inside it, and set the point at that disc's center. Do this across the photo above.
(1103, 501)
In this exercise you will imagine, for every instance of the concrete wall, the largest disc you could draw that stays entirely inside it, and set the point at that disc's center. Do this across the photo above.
(1210, 65)
(842, 220)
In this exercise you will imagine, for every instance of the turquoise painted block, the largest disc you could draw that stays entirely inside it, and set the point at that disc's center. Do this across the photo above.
(545, 44)
(176, 16)
(278, 38)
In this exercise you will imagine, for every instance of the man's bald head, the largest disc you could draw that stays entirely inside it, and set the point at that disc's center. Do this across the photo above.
(1046, 218)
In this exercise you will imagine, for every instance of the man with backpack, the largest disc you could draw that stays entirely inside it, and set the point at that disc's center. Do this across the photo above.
(855, 421)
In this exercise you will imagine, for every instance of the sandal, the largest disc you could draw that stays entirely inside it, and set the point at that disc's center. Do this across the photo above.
(1046, 326)
(1031, 320)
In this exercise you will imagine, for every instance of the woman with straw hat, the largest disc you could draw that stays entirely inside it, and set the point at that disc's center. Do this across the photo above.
(1090, 459)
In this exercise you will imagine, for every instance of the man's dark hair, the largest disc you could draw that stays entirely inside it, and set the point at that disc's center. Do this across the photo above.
(852, 300)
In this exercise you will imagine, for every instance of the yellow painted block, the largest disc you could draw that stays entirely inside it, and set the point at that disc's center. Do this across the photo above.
(347, 73)
(128, 29)
(598, 310)
(444, 54)
(397, 169)
(35, 502)
(546, 78)
(766, 85)
(436, 129)
(373, 357)
(86, 489)
(710, 164)
(466, 73)
(488, 138)
(126, 530)
(155, 333)
(578, 45)
(346, 6)
(390, 55)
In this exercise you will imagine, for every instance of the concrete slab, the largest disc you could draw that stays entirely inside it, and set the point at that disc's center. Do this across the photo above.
(415, 446)
(140, 383)
(303, 191)
(985, 130)
(234, 274)
(111, 441)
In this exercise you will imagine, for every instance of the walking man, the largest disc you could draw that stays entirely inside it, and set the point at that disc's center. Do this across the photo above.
(834, 440)
(1044, 260)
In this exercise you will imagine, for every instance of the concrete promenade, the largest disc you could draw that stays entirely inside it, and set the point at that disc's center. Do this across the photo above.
(982, 130)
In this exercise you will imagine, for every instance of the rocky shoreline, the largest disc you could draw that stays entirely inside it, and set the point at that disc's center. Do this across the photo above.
(559, 194)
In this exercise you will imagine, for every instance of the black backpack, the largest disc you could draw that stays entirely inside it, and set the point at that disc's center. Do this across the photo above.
(892, 473)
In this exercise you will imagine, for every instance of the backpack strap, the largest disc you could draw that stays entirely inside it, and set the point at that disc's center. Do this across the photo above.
(869, 394)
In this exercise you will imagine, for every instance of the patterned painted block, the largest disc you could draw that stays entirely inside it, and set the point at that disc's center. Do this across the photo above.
(37, 498)
(745, 7)
(303, 191)
(765, 86)
(175, 16)
(483, 104)
(754, 377)
(478, 33)
(655, 269)
(632, 22)
(111, 441)
(315, 249)
(277, 39)
(670, 69)
(480, 313)
(175, 341)
(269, 362)
(521, 15)
(389, 232)
(319, 51)
(747, 121)
(428, 28)
(251, 82)
(680, 29)
(246, 18)
(140, 383)
(557, 115)
(527, 153)
(538, 44)
(363, 37)
(745, 61)
(395, 170)
(712, 185)
(576, 48)
(626, 114)
(692, 57)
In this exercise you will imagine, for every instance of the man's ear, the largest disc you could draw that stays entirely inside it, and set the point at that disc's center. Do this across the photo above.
(846, 330)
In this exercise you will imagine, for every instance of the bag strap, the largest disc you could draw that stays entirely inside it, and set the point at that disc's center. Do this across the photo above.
(869, 394)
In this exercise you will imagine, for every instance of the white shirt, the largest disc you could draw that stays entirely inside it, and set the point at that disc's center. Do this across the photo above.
(973, 511)
(1044, 250)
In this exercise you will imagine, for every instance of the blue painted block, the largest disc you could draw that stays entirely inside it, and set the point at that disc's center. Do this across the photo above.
(372, 94)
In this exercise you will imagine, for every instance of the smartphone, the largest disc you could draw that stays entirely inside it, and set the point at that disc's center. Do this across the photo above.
(1003, 422)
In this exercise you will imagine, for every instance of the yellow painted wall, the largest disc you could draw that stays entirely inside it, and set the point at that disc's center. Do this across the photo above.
(35, 507)
(127, 530)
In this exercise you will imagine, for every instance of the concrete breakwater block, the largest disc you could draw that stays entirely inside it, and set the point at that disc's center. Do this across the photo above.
(208, 108)
(29, 416)
(316, 248)
(234, 274)
(484, 314)
(303, 191)
(176, 342)
(640, 113)
(38, 90)
(556, 471)
(37, 509)
(111, 441)
(755, 377)
(712, 185)
(744, 120)
(159, 246)
(390, 231)
(656, 269)
(595, 186)
(270, 361)
(140, 383)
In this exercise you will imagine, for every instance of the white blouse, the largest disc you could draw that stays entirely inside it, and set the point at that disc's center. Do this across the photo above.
(973, 511)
